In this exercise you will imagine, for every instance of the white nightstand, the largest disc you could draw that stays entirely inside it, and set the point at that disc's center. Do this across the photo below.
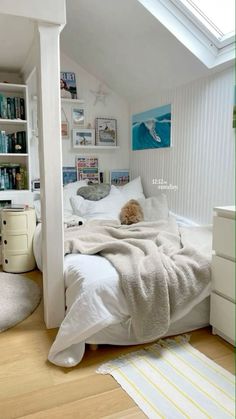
(222, 316)
(17, 240)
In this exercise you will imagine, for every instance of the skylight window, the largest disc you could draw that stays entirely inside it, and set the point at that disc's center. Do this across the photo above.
(205, 27)
(217, 16)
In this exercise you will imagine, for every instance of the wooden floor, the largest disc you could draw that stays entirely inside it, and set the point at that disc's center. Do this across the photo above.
(32, 387)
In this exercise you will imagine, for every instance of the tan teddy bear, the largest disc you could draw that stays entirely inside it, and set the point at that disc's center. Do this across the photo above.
(131, 213)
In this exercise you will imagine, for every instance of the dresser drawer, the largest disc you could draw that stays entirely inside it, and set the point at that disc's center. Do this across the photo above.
(222, 315)
(15, 243)
(224, 236)
(223, 275)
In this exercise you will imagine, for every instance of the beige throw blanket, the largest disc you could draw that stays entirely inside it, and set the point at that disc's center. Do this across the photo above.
(159, 274)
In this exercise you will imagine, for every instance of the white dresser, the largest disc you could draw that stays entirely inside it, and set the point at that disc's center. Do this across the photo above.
(222, 316)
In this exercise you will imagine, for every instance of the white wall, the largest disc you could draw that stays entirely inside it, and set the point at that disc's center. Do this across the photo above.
(201, 161)
(115, 107)
(10, 77)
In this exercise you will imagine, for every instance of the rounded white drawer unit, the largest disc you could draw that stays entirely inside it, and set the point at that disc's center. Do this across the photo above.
(17, 238)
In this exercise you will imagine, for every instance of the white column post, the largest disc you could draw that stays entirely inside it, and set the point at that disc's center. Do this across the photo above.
(50, 157)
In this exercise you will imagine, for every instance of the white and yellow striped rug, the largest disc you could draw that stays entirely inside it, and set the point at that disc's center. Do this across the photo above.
(171, 379)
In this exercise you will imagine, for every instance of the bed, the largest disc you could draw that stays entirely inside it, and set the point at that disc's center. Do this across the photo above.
(96, 306)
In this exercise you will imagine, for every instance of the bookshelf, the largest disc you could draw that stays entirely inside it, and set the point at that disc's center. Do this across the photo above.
(14, 141)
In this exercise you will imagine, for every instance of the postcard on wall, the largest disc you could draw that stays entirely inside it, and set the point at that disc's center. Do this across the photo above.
(152, 129)
(87, 168)
(119, 177)
(68, 85)
(78, 117)
(69, 175)
(106, 131)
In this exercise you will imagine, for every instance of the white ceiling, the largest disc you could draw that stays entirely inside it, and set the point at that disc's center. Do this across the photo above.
(126, 47)
(16, 36)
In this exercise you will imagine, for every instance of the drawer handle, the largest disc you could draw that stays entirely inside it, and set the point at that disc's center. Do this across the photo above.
(4, 222)
(5, 241)
(6, 261)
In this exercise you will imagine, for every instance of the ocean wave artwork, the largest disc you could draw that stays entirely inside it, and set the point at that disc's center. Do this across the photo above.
(152, 129)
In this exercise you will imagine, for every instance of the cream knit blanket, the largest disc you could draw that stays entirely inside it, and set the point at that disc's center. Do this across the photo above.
(159, 273)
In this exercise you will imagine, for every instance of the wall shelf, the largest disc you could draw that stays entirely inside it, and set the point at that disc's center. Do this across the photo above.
(11, 87)
(97, 147)
(14, 154)
(71, 101)
(66, 100)
(13, 121)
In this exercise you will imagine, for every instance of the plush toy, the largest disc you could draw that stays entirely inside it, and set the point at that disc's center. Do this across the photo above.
(131, 213)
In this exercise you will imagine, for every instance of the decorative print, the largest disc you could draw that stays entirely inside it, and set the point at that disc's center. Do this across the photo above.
(69, 175)
(68, 85)
(78, 116)
(152, 129)
(106, 131)
(119, 177)
(83, 137)
(64, 130)
(87, 168)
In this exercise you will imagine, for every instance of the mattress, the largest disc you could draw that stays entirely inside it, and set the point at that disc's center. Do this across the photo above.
(96, 307)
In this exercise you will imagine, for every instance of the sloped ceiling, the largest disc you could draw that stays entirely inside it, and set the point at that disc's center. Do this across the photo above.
(16, 37)
(123, 45)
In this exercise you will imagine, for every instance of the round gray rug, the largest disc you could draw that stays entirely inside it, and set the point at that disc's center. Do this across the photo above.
(19, 297)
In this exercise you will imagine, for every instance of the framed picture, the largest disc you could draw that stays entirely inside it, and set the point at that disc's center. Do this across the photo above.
(78, 117)
(83, 137)
(87, 168)
(119, 177)
(69, 175)
(68, 85)
(152, 129)
(106, 131)
(64, 130)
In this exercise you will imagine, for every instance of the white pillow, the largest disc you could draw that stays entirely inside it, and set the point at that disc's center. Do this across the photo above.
(68, 191)
(133, 189)
(107, 208)
(155, 208)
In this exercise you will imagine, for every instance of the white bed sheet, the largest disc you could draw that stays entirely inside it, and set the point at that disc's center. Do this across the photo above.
(97, 310)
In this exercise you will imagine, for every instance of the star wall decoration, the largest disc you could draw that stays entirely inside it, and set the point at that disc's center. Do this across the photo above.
(100, 95)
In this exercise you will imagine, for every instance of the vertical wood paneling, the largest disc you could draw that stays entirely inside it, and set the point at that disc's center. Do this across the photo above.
(201, 161)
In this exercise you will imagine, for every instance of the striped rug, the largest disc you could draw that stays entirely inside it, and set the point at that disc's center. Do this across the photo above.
(171, 379)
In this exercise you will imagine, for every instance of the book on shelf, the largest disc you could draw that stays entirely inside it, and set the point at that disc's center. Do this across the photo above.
(13, 142)
(13, 176)
(12, 107)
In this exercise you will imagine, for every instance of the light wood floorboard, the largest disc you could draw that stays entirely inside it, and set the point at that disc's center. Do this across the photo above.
(32, 388)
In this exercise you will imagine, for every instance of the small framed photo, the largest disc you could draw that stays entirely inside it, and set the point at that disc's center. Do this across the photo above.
(78, 116)
(83, 137)
(119, 177)
(65, 130)
(106, 131)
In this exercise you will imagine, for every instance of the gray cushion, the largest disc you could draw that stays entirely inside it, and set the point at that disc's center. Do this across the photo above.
(94, 192)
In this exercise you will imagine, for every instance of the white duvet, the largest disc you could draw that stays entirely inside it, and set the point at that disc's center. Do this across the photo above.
(96, 306)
